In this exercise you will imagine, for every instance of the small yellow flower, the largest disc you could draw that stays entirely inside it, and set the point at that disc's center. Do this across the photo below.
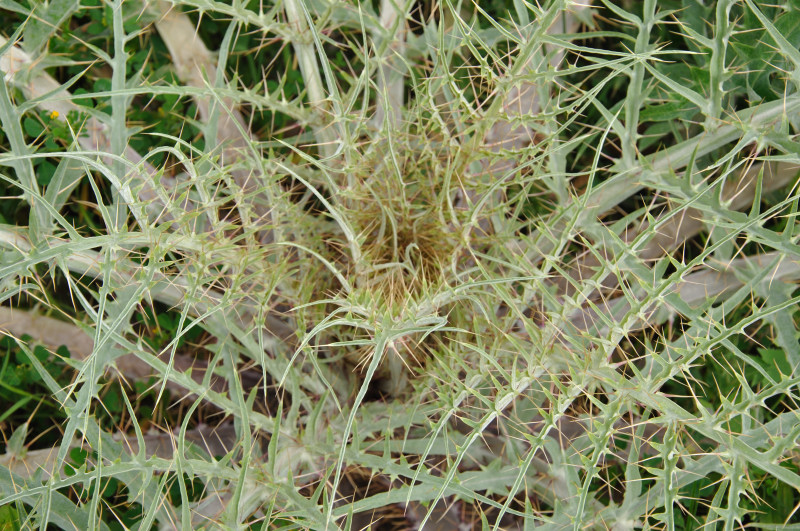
(54, 115)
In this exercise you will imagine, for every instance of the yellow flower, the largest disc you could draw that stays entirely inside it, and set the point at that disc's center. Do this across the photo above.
(54, 115)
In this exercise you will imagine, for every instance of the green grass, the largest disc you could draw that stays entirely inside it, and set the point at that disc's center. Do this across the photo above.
(341, 265)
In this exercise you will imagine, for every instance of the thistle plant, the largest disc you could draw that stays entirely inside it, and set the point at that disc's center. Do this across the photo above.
(314, 264)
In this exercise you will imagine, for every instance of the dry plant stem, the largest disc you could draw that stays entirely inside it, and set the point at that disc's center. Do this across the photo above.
(214, 440)
(196, 67)
(15, 64)
(172, 290)
(303, 44)
(55, 333)
(47, 330)
(570, 429)
(521, 102)
(693, 290)
(626, 181)
(390, 76)
(676, 230)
